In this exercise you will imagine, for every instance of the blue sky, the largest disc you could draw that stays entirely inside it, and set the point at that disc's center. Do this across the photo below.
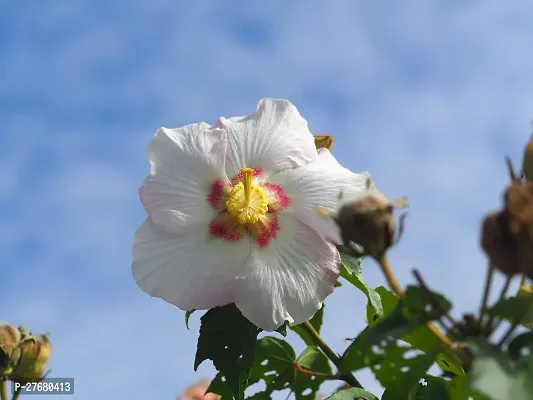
(427, 96)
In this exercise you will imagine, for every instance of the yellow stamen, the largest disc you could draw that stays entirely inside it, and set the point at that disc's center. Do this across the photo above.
(247, 201)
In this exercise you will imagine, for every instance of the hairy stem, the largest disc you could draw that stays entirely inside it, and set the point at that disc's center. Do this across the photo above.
(335, 359)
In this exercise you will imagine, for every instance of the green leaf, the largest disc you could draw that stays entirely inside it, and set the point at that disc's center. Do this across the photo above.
(458, 389)
(220, 387)
(430, 388)
(406, 379)
(512, 308)
(337, 284)
(409, 314)
(496, 376)
(389, 301)
(351, 263)
(522, 341)
(187, 316)
(354, 275)
(311, 359)
(404, 320)
(352, 394)
(316, 322)
(228, 339)
(282, 330)
(274, 365)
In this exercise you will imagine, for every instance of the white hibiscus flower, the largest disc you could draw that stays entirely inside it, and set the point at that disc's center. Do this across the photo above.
(232, 217)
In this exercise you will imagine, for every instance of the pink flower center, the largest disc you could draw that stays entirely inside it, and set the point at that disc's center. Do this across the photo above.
(246, 206)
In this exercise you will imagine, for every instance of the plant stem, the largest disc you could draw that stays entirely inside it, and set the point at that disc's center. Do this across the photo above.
(395, 286)
(3, 389)
(489, 329)
(435, 301)
(335, 359)
(486, 293)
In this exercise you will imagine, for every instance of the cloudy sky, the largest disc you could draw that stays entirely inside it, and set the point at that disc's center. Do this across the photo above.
(427, 96)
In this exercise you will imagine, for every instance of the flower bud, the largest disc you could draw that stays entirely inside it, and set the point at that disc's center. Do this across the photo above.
(499, 244)
(324, 141)
(519, 207)
(368, 222)
(9, 339)
(33, 353)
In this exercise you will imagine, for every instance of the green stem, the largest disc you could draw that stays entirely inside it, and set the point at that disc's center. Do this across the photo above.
(486, 293)
(349, 378)
(3, 390)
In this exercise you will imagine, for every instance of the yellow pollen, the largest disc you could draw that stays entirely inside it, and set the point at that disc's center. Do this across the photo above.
(247, 201)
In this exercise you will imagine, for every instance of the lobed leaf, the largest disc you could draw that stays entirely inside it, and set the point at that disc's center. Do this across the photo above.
(229, 340)
(352, 394)
(274, 365)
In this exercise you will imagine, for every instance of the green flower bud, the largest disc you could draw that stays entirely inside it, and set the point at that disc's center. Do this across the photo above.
(32, 353)
(9, 340)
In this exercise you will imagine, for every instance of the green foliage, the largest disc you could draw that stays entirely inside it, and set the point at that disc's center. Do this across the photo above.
(352, 271)
(187, 316)
(352, 394)
(495, 375)
(512, 308)
(405, 320)
(275, 365)
(316, 322)
(229, 340)
(407, 384)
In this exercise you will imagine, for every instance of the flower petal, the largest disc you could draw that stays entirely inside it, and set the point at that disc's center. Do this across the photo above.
(289, 279)
(274, 137)
(319, 184)
(183, 164)
(187, 270)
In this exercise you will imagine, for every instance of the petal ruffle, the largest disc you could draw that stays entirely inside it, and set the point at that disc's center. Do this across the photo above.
(183, 164)
(188, 270)
(319, 184)
(290, 279)
(273, 138)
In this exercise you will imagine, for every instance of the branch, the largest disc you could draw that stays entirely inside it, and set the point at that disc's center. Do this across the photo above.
(435, 301)
(335, 359)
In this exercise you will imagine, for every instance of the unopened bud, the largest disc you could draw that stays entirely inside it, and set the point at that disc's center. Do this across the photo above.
(324, 141)
(33, 353)
(9, 340)
(519, 207)
(367, 224)
(499, 244)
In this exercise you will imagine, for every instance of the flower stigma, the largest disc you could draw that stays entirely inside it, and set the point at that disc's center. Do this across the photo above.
(247, 201)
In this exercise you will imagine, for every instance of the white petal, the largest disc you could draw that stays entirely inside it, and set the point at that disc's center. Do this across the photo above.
(274, 137)
(188, 270)
(183, 164)
(290, 279)
(319, 184)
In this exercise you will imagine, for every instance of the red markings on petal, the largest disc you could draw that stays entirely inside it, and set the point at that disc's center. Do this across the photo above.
(269, 231)
(278, 198)
(225, 228)
(217, 195)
